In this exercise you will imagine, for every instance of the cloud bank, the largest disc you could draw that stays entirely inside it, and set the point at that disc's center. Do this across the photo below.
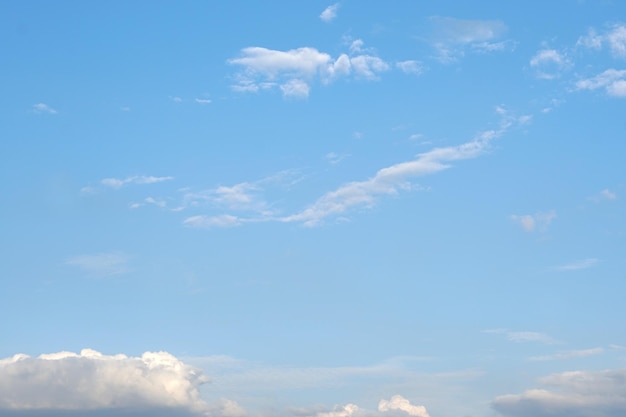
(570, 394)
(89, 382)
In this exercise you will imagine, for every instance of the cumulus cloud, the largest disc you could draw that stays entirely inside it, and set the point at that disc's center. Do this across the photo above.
(85, 383)
(43, 108)
(549, 64)
(101, 264)
(581, 264)
(295, 70)
(570, 394)
(453, 37)
(137, 179)
(531, 222)
(392, 179)
(395, 406)
(612, 81)
(330, 13)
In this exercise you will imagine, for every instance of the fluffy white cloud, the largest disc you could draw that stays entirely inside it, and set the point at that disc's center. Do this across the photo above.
(575, 266)
(530, 222)
(396, 177)
(137, 179)
(330, 13)
(570, 394)
(295, 70)
(156, 383)
(549, 63)
(43, 108)
(612, 80)
(395, 406)
(101, 264)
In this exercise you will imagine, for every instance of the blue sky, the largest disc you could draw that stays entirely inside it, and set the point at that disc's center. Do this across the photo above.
(313, 209)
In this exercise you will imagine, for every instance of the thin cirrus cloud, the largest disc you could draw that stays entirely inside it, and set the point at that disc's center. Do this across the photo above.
(294, 71)
(43, 108)
(91, 383)
(330, 13)
(567, 394)
(532, 222)
(524, 336)
(570, 354)
(136, 179)
(101, 264)
(392, 179)
(452, 38)
(578, 265)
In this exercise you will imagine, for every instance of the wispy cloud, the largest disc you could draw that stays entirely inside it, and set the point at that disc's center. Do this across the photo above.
(334, 158)
(612, 81)
(209, 222)
(524, 336)
(614, 37)
(202, 101)
(452, 37)
(570, 354)
(330, 13)
(531, 222)
(136, 179)
(392, 179)
(101, 264)
(549, 64)
(410, 67)
(43, 108)
(575, 266)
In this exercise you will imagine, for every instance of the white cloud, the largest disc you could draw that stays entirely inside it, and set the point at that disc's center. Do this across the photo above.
(570, 354)
(43, 108)
(539, 221)
(570, 394)
(202, 101)
(575, 266)
(137, 179)
(101, 264)
(410, 67)
(397, 402)
(335, 158)
(209, 222)
(396, 406)
(453, 37)
(176, 99)
(156, 383)
(330, 13)
(295, 88)
(549, 64)
(390, 180)
(524, 336)
(295, 70)
(609, 195)
(612, 80)
(614, 37)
